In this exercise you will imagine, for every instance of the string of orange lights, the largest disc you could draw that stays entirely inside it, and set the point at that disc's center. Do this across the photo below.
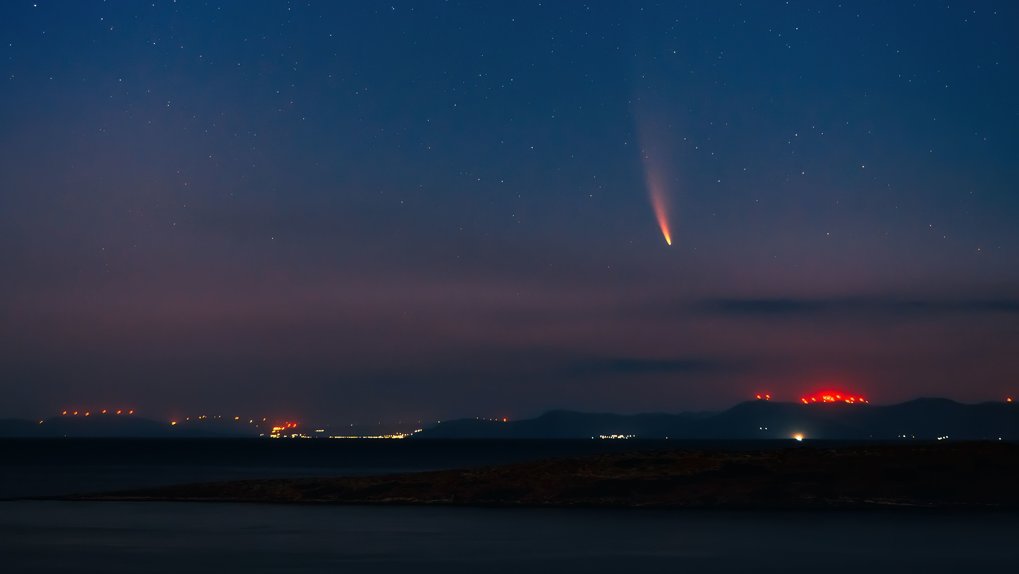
(90, 412)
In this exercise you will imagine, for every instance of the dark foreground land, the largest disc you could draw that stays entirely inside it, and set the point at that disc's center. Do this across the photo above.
(941, 475)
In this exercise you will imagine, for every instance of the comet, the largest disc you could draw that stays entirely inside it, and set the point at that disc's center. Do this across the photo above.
(658, 196)
(659, 203)
(655, 146)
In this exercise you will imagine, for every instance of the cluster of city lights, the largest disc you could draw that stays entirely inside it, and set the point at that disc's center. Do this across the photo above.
(390, 436)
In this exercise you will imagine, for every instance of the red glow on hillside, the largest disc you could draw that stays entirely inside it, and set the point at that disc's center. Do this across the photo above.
(763, 396)
(280, 430)
(833, 397)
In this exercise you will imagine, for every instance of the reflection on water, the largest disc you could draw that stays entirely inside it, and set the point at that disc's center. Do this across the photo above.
(194, 537)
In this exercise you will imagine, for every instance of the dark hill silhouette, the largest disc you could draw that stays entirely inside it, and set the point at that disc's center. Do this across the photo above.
(112, 426)
(17, 428)
(927, 418)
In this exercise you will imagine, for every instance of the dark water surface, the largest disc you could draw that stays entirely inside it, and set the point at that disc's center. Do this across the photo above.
(51, 467)
(38, 537)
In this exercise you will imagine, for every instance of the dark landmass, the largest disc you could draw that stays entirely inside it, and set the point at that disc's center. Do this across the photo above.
(961, 476)
(118, 426)
(923, 419)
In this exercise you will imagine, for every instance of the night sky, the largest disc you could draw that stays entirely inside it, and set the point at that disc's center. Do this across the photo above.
(362, 211)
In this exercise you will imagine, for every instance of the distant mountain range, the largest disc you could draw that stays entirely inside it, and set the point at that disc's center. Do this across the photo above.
(109, 426)
(926, 419)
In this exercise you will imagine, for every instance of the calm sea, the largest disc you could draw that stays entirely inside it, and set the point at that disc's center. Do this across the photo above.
(56, 537)
(53, 537)
(50, 467)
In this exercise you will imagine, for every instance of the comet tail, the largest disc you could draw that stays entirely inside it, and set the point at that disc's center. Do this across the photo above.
(659, 198)
(658, 203)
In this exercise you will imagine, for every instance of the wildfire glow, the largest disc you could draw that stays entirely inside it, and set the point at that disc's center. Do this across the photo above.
(833, 397)
(280, 429)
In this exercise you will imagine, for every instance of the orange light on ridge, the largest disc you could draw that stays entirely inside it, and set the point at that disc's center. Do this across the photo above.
(834, 397)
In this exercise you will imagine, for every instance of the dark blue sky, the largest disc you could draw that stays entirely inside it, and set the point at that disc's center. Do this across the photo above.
(428, 209)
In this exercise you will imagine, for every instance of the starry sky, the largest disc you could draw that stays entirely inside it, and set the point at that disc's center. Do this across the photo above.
(358, 211)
